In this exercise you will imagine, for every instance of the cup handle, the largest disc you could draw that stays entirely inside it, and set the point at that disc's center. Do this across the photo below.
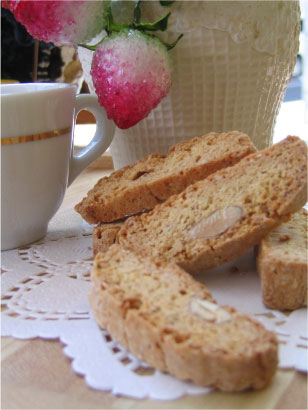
(102, 139)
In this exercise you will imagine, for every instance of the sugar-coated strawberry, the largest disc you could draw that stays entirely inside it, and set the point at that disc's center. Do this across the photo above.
(8, 4)
(131, 73)
(61, 22)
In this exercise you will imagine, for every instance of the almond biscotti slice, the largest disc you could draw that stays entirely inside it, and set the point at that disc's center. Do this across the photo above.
(218, 219)
(282, 264)
(168, 319)
(148, 182)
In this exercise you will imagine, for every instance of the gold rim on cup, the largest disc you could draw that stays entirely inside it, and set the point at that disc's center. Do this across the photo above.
(35, 137)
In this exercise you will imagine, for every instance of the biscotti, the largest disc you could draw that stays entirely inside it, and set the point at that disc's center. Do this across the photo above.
(282, 264)
(146, 183)
(166, 318)
(218, 219)
(104, 235)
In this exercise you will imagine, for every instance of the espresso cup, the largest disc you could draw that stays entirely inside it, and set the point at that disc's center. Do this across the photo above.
(37, 160)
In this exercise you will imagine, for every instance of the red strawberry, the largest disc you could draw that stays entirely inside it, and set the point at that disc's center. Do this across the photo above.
(60, 21)
(131, 73)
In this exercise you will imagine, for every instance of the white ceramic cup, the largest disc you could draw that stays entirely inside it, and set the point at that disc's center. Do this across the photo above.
(37, 161)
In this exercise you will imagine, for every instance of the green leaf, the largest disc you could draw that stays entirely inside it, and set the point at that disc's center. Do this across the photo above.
(166, 3)
(137, 12)
(108, 18)
(170, 46)
(111, 25)
(160, 24)
(92, 48)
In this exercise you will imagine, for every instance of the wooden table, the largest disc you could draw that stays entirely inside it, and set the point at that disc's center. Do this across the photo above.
(37, 375)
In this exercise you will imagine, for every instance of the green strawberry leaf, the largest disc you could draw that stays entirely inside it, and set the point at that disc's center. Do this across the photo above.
(170, 46)
(111, 26)
(166, 3)
(160, 24)
(137, 12)
(92, 48)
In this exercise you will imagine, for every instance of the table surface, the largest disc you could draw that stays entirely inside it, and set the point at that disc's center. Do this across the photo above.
(37, 375)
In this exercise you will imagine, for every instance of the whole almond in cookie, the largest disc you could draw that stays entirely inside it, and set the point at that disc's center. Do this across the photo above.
(209, 311)
(216, 223)
(165, 317)
(219, 218)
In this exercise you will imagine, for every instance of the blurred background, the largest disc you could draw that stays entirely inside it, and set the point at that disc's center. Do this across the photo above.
(25, 60)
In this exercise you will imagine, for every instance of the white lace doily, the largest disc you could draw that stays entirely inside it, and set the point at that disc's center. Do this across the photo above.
(45, 294)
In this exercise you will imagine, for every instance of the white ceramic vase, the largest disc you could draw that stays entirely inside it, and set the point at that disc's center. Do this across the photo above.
(230, 72)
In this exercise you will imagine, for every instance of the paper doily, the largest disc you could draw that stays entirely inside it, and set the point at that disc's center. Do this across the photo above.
(45, 294)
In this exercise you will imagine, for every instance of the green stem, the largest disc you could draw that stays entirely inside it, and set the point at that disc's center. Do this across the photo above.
(137, 12)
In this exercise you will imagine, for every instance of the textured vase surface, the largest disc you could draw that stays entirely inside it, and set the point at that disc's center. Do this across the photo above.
(230, 72)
